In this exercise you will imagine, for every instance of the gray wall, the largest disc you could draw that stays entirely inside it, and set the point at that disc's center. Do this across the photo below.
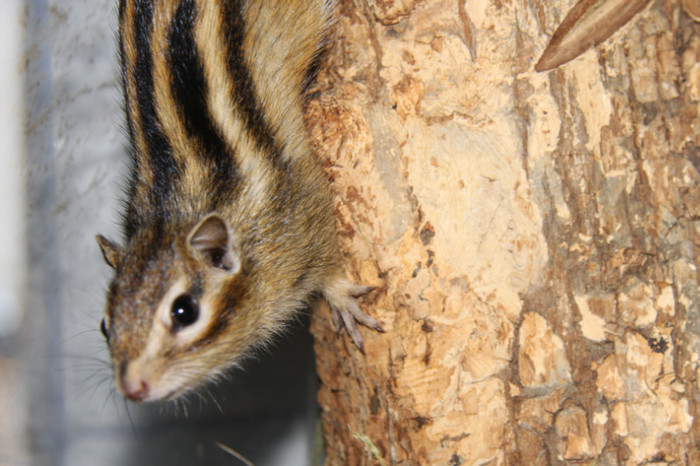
(57, 401)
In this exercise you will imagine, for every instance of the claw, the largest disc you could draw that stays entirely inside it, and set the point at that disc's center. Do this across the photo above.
(353, 331)
(336, 319)
(363, 318)
(360, 290)
(347, 313)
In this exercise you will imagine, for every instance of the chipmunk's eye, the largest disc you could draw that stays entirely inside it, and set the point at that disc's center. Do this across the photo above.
(184, 312)
(103, 329)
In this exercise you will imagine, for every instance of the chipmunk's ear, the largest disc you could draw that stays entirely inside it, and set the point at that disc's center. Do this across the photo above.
(211, 241)
(112, 252)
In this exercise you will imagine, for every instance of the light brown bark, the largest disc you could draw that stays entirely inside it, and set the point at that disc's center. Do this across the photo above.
(534, 237)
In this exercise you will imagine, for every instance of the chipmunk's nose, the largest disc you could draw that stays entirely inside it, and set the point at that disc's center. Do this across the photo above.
(136, 390)
(133, 382)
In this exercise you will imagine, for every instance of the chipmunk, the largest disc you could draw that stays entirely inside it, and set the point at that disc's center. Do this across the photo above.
(229, 226)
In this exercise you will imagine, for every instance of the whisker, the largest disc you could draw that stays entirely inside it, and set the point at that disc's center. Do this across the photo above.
(81, 333)
(234, 453)
(128, 414)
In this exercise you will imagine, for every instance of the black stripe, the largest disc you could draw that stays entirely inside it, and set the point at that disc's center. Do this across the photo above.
(129, 217)
(190, 91)
(122, 9)
(236, 292)
(165, 172)
(124, 79)
(313, 68)
(245, 94)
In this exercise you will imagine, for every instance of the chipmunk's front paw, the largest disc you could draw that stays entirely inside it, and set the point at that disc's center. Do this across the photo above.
(347, 313)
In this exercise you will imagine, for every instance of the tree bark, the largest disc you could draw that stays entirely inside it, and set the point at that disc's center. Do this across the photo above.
(534, 237)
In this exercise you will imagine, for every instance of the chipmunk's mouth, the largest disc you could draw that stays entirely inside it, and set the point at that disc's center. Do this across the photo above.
(147, 395)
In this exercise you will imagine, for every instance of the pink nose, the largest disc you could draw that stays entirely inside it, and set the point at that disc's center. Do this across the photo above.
(136, 390)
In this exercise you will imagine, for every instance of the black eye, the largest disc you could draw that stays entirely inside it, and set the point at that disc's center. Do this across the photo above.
(103, 329)
(184, 312)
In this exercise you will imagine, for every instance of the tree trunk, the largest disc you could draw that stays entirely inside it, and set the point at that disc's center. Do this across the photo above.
(534, 237)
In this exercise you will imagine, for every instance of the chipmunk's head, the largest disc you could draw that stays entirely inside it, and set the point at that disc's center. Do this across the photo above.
(175, 314)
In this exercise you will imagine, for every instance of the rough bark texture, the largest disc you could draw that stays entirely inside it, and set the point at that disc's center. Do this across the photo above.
(534, 237)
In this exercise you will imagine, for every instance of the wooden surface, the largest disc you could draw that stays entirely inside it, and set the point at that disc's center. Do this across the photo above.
(534, 237)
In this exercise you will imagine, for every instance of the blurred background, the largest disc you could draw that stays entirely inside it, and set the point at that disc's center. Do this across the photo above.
(61, 171)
